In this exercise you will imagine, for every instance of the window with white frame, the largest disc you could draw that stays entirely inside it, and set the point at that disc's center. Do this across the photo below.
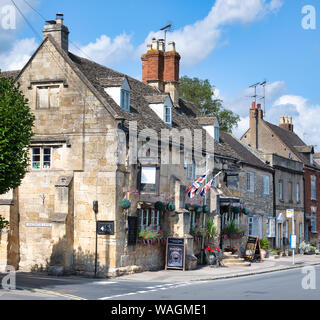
(298, 192)
(41, 157)
(125, 100)
(250, 181)
(47, 97)
(167, 115)
(313, 219)
(191, 170)
(270, 227)
(280, 190)
(255, 226)
(313, 188)
(266, 184)
(149, 220)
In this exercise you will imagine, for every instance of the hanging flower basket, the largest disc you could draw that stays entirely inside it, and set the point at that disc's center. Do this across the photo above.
(125, 204)
(205, 209)
(159, 205)
(171, 206)
(246, 211)
(198, 209)
(187, 206)
(236, 210)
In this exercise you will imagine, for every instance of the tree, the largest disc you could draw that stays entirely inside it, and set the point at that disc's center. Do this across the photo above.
(201, 93)
(16, 122)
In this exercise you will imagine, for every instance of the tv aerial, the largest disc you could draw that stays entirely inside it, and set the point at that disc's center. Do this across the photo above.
(260, 97)
(165, 30)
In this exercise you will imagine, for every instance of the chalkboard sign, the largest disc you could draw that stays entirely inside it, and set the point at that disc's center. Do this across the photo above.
(105, 227)
(253, 249)
(175, 254)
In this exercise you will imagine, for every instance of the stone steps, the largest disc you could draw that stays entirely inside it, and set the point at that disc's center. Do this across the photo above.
(234, 260)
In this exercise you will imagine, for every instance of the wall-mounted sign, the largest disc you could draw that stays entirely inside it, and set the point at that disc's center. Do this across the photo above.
(38, 225)
(290, 213)
(175, 254)
(105, 227)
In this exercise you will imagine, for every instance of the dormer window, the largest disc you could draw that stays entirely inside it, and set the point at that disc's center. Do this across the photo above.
(162, 105)
(168, 114)
(125, 100)
(119, 90)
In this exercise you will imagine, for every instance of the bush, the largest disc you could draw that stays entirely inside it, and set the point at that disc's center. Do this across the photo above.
(304, 247)
(264, 243)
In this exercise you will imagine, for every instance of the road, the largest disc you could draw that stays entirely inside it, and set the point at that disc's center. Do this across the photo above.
(284, 285)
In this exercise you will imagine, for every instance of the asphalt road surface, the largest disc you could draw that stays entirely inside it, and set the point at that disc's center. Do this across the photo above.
(284, 285)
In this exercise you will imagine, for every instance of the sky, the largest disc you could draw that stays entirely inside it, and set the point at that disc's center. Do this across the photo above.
(233, 43)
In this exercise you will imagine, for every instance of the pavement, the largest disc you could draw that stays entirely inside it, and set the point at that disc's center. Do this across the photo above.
(153, 284)
(203, 273)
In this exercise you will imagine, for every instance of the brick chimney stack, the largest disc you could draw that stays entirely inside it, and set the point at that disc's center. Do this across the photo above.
(58, 31)
(161, 69)
(286, 123)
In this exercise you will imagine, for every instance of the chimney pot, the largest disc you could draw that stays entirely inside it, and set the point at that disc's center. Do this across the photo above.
(259, 106)
(59, 18)
(149, 47)
(253, 106)
(155, 44)
(171, 46)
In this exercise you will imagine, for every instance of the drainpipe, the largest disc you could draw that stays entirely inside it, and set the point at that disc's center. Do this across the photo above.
(306, 223)
(274, 205)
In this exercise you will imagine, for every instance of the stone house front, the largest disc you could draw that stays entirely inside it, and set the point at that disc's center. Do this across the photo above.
(95, 144)
(252, 183)
(288, 155)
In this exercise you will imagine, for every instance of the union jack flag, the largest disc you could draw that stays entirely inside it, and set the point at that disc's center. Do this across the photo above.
(195, 186)
(208, 186)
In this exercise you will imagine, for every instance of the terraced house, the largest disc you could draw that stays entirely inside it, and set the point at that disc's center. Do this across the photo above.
(296, 174)
(68, 215)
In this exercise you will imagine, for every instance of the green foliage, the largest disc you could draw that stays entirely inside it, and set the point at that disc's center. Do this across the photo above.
(125, 203)
(211, 230)
(201, 93)
(147, 235)
(3, 223)
(232, 229)
(264, 243)
(16, 122)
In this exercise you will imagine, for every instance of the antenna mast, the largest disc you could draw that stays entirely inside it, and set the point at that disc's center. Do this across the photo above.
(166, 29)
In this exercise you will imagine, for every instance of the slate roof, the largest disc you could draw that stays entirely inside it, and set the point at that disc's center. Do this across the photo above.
(244, 153)
(294, 143)
(97, 77)
(9, 74)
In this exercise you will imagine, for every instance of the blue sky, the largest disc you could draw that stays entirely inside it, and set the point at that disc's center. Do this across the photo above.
(233, 43)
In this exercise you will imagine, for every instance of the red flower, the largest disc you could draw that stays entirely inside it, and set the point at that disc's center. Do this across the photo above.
(144, 235)
(217, 249)
(159, 231)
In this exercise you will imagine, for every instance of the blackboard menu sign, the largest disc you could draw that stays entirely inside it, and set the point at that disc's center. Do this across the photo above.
(175, 254)
(252, 248)
(105, 227)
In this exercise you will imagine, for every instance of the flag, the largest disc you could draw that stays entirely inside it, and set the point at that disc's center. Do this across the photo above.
(196, 185)
(209, 185)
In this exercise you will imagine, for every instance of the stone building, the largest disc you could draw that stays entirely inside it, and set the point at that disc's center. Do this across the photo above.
(90, 121)
(288, 154)
(252, 183)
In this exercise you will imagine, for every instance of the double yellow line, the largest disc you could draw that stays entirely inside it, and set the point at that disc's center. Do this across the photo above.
(70, 296)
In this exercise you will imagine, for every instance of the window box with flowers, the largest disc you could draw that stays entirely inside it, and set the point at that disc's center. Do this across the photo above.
(150, 238)
(231, 231)
(233, 250)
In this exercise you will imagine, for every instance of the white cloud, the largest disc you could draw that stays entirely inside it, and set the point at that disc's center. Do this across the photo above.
(195, 42)
(305, 115)
(19, 54)
(107, 51)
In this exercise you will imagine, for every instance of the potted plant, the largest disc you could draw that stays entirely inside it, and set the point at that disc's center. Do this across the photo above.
(211, 230)
(233, 250)
(211, 255)
(304, 247)
(264, 245)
